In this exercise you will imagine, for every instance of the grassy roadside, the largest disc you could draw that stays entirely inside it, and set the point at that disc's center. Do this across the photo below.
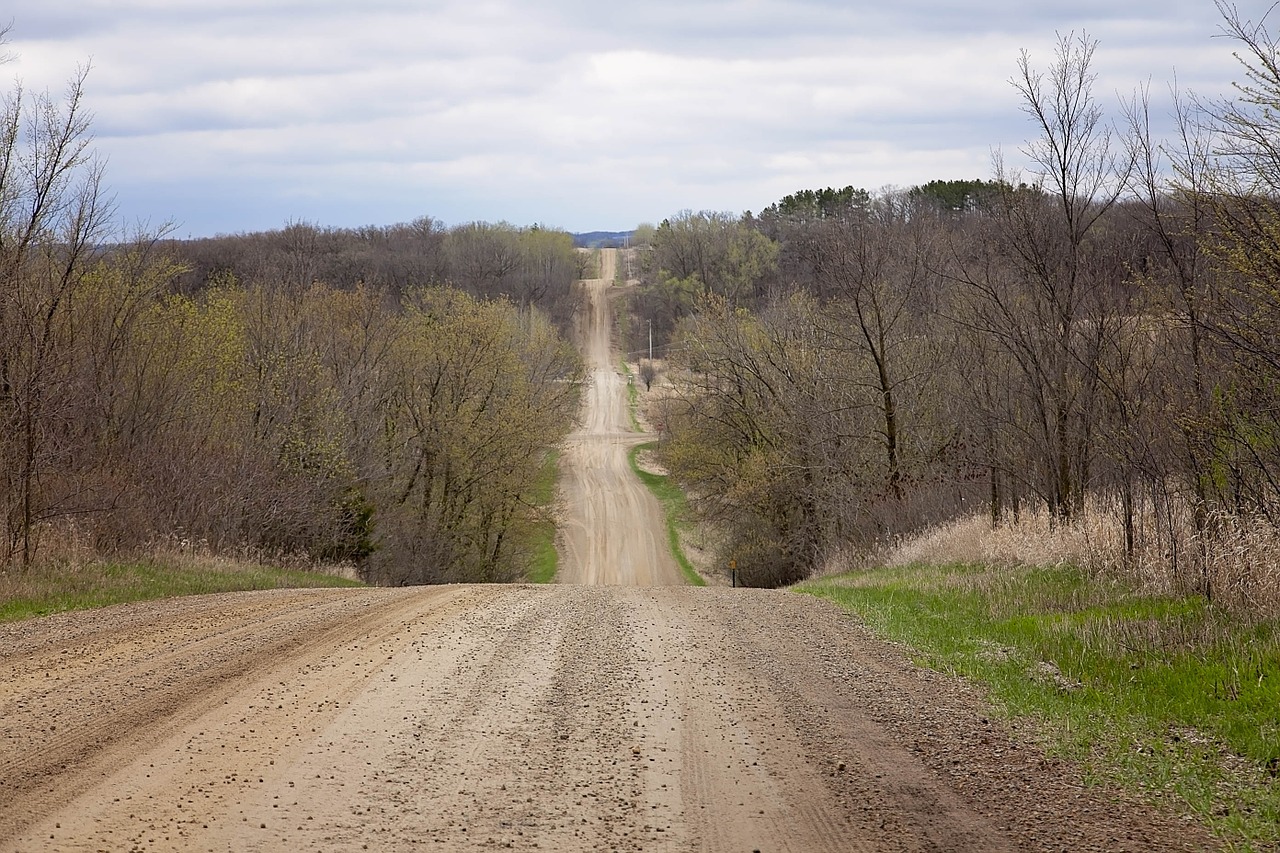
(673, 507)
(633, 395)
(55, 588)
(546, 560)
(672, 498)
(1167, 696)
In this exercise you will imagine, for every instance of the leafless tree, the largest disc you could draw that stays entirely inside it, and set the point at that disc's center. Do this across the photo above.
(54, 211)
(1042, 295)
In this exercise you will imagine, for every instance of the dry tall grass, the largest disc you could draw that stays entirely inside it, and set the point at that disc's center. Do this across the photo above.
(1241, 562)
(69, 560)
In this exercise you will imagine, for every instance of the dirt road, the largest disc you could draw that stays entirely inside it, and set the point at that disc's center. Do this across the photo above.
(612, 529)
(611, 716)
(492, 717)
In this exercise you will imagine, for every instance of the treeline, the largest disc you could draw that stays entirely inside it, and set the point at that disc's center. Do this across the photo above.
(1099, 335)
(532, 266)
(383, 397)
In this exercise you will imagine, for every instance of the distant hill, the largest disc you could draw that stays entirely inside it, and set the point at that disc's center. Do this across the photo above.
(602, 239)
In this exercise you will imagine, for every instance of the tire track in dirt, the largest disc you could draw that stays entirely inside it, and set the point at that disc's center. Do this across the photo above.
(119, 679)
(612, 529)
(550, 718)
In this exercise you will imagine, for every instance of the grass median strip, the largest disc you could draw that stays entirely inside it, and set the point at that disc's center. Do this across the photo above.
(55, 588)
(546, 560)
(633, 395)
(1166, 695)
(674, 507)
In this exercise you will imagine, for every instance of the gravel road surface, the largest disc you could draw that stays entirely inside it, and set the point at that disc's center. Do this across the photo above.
(515, 717)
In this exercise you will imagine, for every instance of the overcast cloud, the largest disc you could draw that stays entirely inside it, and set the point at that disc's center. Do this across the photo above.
(243, 115)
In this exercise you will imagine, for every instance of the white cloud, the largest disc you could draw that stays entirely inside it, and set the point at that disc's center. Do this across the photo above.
(244, 115)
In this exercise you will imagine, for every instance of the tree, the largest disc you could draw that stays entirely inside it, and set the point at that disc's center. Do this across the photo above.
(963, 196)
(1173, 207)
(728, 258)
(1042, 296)
(54, 212)
(879, 275)
(1244, 317)
(749, 435)
(699, 254)
(477, 392)
(648, 373)
(808, 206)
(780, 433)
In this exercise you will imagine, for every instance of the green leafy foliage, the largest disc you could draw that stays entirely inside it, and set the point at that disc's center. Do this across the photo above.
(476, 393)
(961, 196)
(694, 255)
(806, 206)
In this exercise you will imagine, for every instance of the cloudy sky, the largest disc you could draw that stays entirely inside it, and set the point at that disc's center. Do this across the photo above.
(244, 115)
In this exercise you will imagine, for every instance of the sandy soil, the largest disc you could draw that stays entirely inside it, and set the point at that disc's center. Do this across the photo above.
(612, 529)
(613, 716)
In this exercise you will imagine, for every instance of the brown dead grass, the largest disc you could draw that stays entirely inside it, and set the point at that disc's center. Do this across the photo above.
(1242, 562)
(67, 552)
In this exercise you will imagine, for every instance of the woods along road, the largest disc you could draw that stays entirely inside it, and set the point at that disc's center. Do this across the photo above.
(615, 711)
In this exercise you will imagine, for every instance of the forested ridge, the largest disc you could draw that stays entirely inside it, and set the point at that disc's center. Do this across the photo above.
(1094, 340)
(398, 428)
(381, 397)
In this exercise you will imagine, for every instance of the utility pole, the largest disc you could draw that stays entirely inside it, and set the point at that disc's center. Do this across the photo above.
(650, 340)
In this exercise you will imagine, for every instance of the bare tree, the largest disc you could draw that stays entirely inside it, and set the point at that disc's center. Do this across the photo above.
(53, 212)
(880, 275)
(1246, 315)
(1172, 183)
(1044, 299)
(648, 373)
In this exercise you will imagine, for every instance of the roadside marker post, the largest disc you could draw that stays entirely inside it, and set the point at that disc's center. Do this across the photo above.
(733, 571)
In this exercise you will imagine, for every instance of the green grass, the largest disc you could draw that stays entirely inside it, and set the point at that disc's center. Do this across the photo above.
(633, 395)
(546, 560)
(674, 507)
(622, 321)
(55, 588)
(1164, 695)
